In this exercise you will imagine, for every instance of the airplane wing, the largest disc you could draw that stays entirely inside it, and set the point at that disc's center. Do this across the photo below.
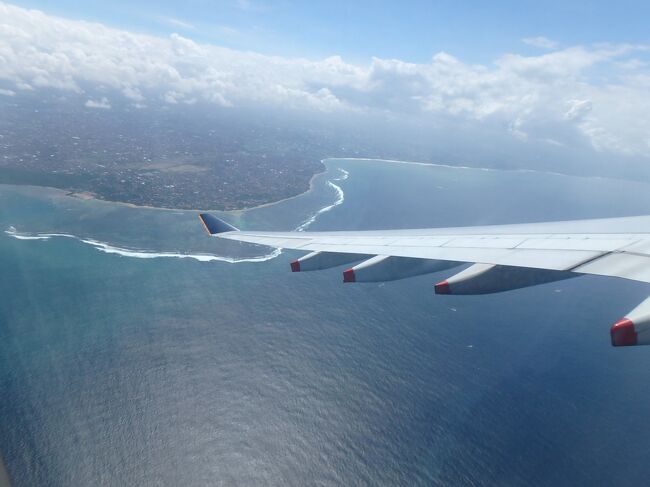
(504, 256)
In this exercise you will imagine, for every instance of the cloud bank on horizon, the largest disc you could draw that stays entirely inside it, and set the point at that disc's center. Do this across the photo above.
(598, 92)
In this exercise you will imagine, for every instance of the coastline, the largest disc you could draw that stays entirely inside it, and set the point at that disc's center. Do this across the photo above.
(288, 198)
(486, 169)
(140, 253)
(88, 196)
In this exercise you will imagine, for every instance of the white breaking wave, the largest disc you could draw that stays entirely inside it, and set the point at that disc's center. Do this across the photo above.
(477, 168)
(27, 237)
(201, 257)
(344, 175)
(340, 198)
(147, 254)
(141, 254)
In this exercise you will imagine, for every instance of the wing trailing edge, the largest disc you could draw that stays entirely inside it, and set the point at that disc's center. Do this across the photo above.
(214, 225)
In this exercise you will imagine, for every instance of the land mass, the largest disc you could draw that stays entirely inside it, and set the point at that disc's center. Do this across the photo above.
(189, 158)
(182, 157)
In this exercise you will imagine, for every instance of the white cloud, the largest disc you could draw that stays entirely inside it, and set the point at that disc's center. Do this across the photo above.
(541, 42)
(545, 97)
(103, 103)
(132, 93)
(577, 109)
(7, 92)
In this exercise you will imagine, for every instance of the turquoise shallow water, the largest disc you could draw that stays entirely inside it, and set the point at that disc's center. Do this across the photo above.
(122, 370)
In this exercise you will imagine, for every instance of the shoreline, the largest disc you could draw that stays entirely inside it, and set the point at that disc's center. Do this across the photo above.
(89, 196)
(140, 253)
(486, 169)
(271, 203)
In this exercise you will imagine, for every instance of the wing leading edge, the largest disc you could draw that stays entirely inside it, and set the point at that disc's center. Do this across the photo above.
(504, 256)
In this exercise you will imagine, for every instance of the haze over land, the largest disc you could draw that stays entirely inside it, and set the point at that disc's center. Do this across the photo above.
(167, 121)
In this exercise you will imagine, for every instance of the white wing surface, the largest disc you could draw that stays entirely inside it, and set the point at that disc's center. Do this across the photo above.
(505, 256)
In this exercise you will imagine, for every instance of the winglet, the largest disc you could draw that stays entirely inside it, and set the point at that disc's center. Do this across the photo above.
(214, 226)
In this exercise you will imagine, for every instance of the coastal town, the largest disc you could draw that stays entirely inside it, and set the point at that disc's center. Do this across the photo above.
(158, 158)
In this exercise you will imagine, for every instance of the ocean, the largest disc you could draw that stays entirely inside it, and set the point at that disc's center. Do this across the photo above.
(136, 350)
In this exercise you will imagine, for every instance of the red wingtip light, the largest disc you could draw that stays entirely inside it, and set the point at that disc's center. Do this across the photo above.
(442, 288)
(295, 266)
(623, 333)
(348, 275)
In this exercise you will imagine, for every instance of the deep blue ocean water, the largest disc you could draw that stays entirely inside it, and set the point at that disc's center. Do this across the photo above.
(121, 370)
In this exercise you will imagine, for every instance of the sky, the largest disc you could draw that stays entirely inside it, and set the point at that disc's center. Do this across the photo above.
(413, 31)
(563, 73)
